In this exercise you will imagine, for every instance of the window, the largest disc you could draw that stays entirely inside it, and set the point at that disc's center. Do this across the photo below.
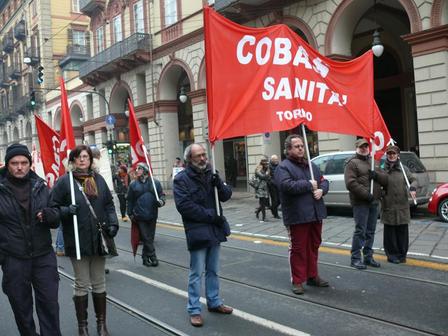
(139, 23)
(79, 38)
(34, 8)
(170, 12)
(117, 29)
(75, 6)
(99, 39)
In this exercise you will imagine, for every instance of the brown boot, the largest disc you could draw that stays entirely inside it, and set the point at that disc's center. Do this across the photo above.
(99, 303)
(81, 303)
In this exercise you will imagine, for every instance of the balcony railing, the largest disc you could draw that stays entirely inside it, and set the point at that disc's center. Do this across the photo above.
(75, 52)
(19, 30)
(89, 6)
(126, 48)
(8, 44)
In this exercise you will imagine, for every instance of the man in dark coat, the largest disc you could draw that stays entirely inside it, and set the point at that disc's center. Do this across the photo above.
(26, 255)
(303, 211)
(357, 176)
(205, 229)
(143, 210)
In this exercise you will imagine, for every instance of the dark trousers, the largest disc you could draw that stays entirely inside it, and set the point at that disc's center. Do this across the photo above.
(263, 203)
(396, 241)
(275, 199)
(20, 278)
(122, 200)
(305, 239)
(147, 231)
(365, 217)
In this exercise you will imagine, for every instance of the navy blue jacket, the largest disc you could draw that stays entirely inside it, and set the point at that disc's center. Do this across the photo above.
(142, 202)
(195, 201)
(298, 204)
(18, 237)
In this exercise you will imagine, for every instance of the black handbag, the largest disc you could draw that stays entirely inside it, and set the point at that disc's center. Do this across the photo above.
(106, 244)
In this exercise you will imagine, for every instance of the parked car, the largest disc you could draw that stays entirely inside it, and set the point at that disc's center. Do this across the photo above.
(438, 203)
(332, 167)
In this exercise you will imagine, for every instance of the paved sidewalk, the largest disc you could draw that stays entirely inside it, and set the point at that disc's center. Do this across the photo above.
(428, 236)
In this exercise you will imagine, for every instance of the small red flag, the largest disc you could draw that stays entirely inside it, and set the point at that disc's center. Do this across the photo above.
(66, 133)
(135, 138)
(382, 136)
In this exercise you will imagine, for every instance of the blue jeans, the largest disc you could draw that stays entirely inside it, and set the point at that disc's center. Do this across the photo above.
(59, 240)
(365, 217)
(208, 259)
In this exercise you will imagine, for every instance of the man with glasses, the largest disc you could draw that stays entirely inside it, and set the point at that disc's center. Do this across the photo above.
(143, 210)
(303, 210)
(357, 176)
(205, 229)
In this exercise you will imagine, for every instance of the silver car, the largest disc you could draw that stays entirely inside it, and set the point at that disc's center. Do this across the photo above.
(332, 167)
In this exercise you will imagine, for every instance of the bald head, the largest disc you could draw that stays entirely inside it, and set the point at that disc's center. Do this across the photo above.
(274, 159)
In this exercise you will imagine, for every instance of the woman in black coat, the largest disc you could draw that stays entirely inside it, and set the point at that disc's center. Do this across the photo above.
(90, 269)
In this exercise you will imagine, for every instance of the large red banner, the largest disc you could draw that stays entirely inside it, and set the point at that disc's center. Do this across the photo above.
(49, 150)
(269, 79)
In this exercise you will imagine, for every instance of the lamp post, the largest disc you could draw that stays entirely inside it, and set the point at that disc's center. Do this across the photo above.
(183, 96)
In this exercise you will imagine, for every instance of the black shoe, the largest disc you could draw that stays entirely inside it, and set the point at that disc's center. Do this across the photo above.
(358, 264)
(147, 262)
(403, 260)
(154, 261)
(317, 282)
(371, 262)
(278, 217)
(393, 260)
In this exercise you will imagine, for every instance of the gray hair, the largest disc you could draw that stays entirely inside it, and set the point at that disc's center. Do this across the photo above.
(288, 142)
(187, 151)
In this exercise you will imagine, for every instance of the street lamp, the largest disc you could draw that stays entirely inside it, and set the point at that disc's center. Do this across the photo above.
(183, 96)
(377, 46)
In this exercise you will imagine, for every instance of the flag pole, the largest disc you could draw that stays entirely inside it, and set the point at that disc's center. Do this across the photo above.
(372, 165)
(150, 171)
(75, 217)
(407, 181)
(218, 211)
(307, 151)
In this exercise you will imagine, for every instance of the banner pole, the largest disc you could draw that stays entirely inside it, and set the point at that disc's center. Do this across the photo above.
(372, 165)
(75, 217)
(150, 171)
(407, 181)
(307, 151)
(218, 211)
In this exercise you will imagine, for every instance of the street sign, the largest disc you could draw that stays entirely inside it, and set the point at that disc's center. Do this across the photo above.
(110, 120)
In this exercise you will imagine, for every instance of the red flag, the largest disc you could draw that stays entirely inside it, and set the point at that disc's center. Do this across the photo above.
(135, 138)
(66, 133)
(382, 136)
(49, 150)
(268, 79)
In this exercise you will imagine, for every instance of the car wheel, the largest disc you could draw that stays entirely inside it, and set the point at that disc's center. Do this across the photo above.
(443, 210)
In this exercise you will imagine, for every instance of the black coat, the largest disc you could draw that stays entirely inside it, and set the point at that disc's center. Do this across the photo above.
(87, 227)
(195, 201)
(21, 239)
(142, 202)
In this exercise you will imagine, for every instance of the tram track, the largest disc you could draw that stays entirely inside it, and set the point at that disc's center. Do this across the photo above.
(136, 313)
(310, 301)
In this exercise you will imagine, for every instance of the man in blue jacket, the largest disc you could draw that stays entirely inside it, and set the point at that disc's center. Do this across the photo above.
(26, 255)
(205, 229)
(303, 211)
(143, 210)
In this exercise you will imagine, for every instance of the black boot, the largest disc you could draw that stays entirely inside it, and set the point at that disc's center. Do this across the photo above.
(257, 213)
(99, 303)
(154, 261)
(81, 303)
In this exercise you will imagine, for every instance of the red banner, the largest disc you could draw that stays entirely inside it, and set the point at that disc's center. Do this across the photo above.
(135, 138)
(268, 79)
(49, 150)
(66, 133)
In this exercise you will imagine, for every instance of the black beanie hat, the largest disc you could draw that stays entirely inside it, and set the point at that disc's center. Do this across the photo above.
(17, 149)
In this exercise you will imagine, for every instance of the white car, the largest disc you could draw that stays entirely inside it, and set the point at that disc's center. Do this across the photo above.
(332, 166)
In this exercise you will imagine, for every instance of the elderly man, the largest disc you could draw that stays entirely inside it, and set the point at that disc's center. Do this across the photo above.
(26, 255)
(357, 175)
(205, 229)
(303, 211)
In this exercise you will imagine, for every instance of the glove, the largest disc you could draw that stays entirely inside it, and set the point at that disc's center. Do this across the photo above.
(370, 198)
(216, 180)
(160, 203)
(112, 230)
(73, 209)
(373, 175)
(218, 220)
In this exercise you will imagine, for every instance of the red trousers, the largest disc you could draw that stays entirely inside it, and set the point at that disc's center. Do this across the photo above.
(305, 239)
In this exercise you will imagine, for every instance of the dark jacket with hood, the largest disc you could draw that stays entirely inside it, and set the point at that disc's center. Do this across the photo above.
(296, 192)
(103, 206)
(195, 201)
(142, 201)
(21, 234)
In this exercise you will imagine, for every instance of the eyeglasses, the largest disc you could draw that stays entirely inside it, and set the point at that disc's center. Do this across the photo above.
(83, 157)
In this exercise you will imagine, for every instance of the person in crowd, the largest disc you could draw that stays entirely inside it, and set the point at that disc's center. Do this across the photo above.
(121, 182)
(143, 210)
(89, 271)
(273, 190)
(395, 212)
(178, 162)
(231, 169)
(205, 229)
(26, 254)
(262, 190)
(303, 210)
(357, 176)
